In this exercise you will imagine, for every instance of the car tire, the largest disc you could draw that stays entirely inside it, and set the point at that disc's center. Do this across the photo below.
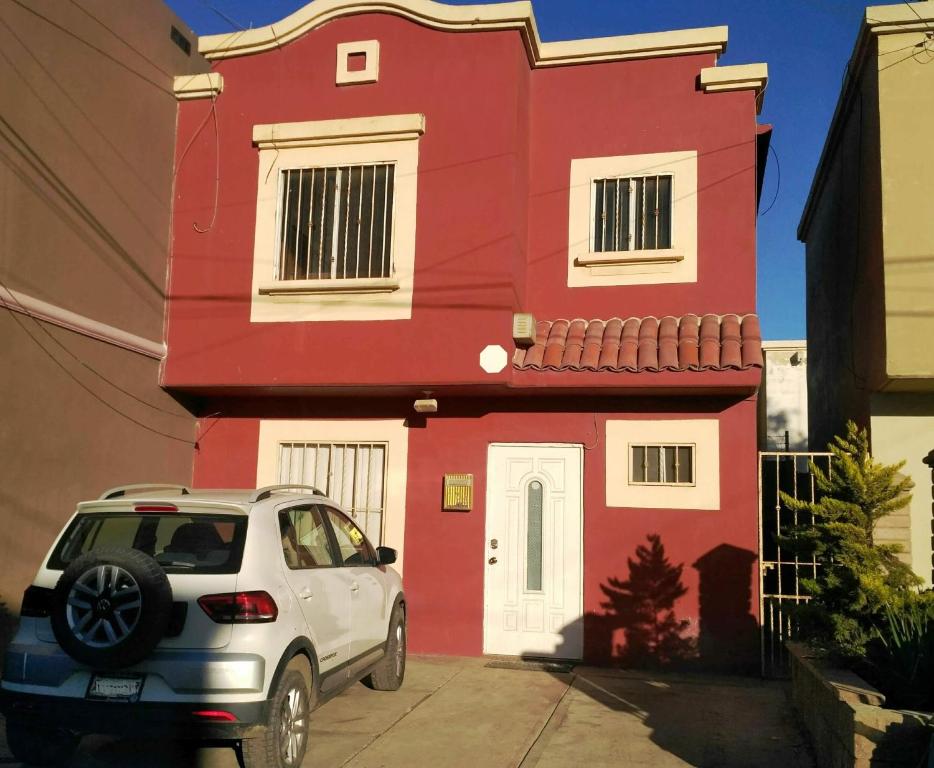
(284, 738)
(34, 745)
(111, 607)
(390, 672)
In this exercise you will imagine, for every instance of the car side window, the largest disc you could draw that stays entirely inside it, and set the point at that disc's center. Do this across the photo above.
(354, 548)
(305, 542)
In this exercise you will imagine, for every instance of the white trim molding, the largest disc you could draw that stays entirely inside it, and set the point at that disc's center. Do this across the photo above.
(471, 18)
(325, 143)
(703, 434)
(351, 130)
(392, 432)
(72, 321)
(678, 264)
(369, 49)
(739, 77)
(204, 86)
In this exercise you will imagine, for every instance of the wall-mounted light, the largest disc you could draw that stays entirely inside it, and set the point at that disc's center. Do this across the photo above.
(429, 405)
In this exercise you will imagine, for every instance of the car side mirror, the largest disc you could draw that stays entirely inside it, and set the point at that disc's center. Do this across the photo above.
(385, 555)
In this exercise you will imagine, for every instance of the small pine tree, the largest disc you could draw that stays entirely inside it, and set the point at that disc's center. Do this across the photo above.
(856, 578)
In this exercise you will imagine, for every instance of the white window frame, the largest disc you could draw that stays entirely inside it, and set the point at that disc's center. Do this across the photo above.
(391, 432)
(391, 139)
(676, 484)
(677, 264)
(703, 434)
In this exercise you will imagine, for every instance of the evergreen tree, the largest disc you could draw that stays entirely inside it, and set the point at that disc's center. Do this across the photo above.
(856, 578)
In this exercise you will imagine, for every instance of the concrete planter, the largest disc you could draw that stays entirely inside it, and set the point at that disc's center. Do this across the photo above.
(846, 721)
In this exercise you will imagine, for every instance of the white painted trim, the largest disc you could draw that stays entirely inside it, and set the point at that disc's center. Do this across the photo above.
(369, 74)
(704, 434)
(346, 285)
(675, 265)
(393, 432)
(739, 77)
(72, 321)
(351, 130)
(203, 86)
(325, 143)
(471, 18)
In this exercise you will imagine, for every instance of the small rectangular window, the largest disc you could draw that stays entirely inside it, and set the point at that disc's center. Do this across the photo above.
(661, 464)
(336, 222)
(631, 213)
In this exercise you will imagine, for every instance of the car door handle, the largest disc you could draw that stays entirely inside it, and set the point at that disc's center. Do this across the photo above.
(306, 594)
(355, 587)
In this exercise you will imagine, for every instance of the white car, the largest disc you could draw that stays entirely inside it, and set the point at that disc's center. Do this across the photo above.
(217, 615)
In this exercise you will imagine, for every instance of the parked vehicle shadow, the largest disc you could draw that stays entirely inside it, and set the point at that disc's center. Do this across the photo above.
(8, 623)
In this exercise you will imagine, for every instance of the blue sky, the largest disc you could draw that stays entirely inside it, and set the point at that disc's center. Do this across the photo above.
(806, 44)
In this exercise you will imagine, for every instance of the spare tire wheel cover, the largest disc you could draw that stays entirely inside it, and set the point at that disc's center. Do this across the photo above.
(111, 607)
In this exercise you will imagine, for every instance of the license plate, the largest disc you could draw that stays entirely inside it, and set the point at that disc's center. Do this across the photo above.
(115, 688)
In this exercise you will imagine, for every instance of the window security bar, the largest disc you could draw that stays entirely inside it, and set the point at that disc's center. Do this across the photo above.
(632, 213)
(336, 222)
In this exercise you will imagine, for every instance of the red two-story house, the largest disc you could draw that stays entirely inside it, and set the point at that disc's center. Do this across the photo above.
(494, 295)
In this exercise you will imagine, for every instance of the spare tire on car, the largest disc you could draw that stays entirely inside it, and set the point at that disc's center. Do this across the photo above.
(111, 607)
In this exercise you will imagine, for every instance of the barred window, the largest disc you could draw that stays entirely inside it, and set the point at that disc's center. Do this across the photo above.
(632, 213)
(661, 464)
(352, 474)
(336, 222)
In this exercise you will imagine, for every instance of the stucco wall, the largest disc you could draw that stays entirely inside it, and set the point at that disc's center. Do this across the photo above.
(845, 320)
(87, 122)
(903, 430)
(445, 551)
(906, 109)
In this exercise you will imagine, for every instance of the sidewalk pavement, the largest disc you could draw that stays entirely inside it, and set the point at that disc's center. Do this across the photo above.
(460, 713)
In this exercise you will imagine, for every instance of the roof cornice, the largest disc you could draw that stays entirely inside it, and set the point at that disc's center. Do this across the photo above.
(878, 20)
(739, 77)
(470, 18)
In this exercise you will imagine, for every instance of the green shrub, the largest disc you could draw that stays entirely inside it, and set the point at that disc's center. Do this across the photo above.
(857, 580)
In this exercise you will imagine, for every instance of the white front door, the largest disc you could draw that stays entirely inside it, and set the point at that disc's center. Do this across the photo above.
(534, 567)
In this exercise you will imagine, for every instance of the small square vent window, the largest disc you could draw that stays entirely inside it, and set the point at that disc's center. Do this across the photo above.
(358, 62)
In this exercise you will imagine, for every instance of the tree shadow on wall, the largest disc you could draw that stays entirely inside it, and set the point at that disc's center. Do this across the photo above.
(642, 607)
(7, 628)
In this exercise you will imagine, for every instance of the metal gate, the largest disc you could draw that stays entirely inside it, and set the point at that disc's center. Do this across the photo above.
(780, 572)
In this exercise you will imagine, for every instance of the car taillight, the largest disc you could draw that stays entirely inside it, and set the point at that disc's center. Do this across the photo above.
(37, 602)
(240, 607)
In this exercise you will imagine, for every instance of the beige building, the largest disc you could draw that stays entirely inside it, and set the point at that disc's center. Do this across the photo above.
(87, 128)
(869, 230)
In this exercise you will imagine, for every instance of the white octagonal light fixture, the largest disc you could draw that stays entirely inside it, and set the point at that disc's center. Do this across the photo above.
(493, 358)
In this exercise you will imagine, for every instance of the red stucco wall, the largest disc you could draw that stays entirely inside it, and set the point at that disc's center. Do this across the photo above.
(492, 206)
(445, 551)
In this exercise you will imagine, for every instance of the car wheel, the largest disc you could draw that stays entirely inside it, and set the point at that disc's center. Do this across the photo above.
(284, 738)
(111, 607)
(39, 746)
(390, 672)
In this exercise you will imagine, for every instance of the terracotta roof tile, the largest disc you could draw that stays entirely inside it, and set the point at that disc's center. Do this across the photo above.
(688, 343)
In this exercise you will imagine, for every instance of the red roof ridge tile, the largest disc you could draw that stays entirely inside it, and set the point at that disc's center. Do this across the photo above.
(690, 342)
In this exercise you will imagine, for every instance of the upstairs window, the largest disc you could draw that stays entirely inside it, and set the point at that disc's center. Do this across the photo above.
(662, 464)
(336, 222)
(631, 214)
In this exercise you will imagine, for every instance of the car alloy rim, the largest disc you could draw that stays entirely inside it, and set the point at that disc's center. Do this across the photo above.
(400, 648)
(292, 727)
(103, 606)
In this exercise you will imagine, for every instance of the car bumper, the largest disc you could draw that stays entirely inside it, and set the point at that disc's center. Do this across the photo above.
(171, 720)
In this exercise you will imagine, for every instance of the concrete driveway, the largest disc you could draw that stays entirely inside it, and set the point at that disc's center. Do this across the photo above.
(460, 712)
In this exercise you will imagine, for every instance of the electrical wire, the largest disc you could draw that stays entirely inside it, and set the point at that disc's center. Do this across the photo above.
(217, 170)
(86, 388)
(81, 362)
(778, 184)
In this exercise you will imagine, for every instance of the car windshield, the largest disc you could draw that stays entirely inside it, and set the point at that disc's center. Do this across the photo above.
(180, 543)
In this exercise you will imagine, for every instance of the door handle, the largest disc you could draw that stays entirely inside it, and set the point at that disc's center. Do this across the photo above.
(306, 594)
(355, 587)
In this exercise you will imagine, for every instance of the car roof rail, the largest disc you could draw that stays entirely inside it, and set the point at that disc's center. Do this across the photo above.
(266, 491)
(121, 490)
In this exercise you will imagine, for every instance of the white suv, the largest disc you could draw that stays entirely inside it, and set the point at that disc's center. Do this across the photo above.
(218, 615)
